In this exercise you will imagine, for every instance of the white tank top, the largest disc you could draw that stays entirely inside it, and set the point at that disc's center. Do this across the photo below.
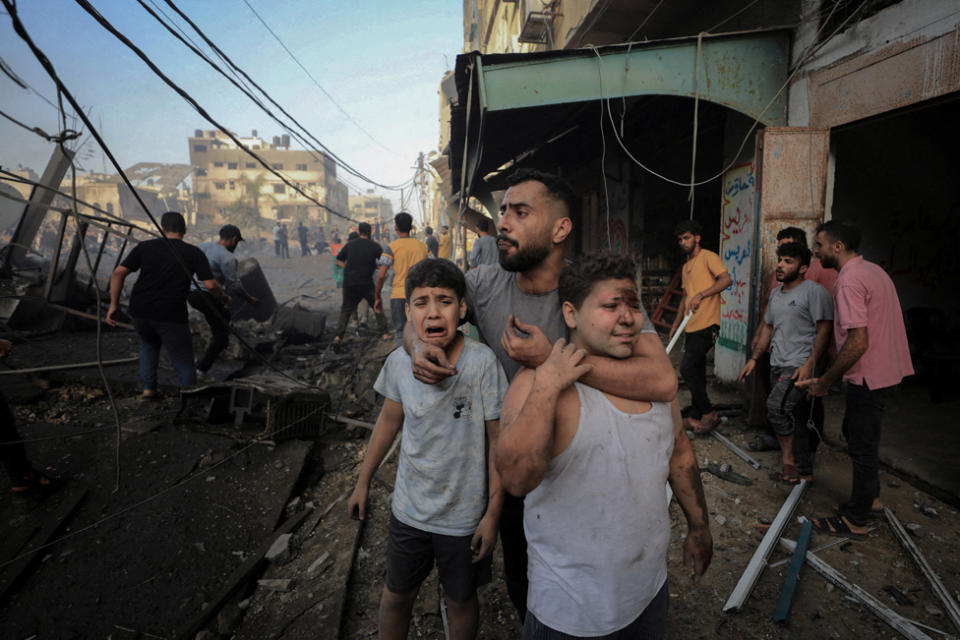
(597, 526)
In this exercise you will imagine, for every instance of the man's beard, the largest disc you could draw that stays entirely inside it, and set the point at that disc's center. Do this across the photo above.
(828, 262)
(523, 259)
(789, 277)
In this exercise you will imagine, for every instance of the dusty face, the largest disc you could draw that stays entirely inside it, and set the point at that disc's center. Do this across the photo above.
(688, 242)
(526, 226)
(609, 321)
(789, 269)
(435, 313)
(825, 250)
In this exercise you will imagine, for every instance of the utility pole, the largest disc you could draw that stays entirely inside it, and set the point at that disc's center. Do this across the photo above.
(423, 190)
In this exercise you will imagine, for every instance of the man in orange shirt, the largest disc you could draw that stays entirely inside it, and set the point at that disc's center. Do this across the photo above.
(704, 277)
(403, 253)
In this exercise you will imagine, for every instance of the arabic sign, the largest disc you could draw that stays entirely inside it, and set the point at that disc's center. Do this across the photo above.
(736, 250)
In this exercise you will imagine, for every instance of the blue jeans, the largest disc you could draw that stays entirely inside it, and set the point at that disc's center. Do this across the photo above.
(175, 336)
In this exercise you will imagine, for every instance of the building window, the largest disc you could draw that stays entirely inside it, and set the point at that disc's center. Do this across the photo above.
(279, 188)
(199, 148)
(250, 165)
(220, 186)
(233, 186)
(109, 207)
(232, 165)
(218, 164)
(277, 165)
(201, 172)
(301, 167)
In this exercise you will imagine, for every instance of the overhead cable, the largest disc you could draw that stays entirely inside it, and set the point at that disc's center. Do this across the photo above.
(86, 6)
(223, 56)
(314, 80)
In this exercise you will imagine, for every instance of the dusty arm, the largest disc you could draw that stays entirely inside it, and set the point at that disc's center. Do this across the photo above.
(685, 480)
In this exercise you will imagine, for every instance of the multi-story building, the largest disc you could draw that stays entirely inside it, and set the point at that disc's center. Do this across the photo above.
(225, 177)
(371, 208)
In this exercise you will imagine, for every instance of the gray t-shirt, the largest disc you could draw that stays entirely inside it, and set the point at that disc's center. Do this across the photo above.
(442, 473)
(794, 315)
(493, 294)
(484, 251)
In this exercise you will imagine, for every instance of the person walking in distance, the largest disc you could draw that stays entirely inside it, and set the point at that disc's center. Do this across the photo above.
(223, 266)
(358, 259)
(485, 246)
(433, 246)
(703, 277)
(304, 240)
(158, 302)
(404, 253)
(872, 358)
(443, 250)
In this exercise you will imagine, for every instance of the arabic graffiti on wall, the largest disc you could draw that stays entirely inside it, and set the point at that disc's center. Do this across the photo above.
(736, 251)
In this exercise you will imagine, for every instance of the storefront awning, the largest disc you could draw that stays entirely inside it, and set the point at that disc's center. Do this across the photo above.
(509, 102)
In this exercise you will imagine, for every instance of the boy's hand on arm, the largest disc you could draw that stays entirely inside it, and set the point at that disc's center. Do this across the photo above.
(357, 503)
(685, 480)
(485, 537)
(562, 368)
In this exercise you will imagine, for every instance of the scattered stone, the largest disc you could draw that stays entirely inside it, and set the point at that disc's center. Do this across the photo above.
(202, 548)
(830, 587)
(362, 554)
(244, 604)
(926, 509)
(279, 552)
(893, 482)
(914, 529)
(932, 610)
(721, 520)
(203, 635)
(275, 584)
(319, 561)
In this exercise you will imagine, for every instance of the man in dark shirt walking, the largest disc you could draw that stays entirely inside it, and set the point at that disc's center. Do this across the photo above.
(433, 245)
(304, 241)
(158, 303)
(358, 259)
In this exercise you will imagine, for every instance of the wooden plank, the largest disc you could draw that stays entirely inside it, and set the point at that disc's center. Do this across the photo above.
(759, 560)
(71, 498)
(936, 585)
(782, 612)
(240, 577)
(885, 613)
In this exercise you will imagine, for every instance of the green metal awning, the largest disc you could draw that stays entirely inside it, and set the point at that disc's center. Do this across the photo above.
(746, 72)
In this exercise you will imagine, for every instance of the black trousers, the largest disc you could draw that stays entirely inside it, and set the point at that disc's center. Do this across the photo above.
(352, 295)
(693, 368)
(514, 543)
(861, 427)
(13, 456)
(218, 318)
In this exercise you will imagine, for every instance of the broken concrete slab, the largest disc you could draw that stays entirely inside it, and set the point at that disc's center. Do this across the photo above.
(279, 551)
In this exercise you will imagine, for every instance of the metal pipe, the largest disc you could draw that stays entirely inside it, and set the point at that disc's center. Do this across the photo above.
(64, 367)
(679, 332)
(737, 450)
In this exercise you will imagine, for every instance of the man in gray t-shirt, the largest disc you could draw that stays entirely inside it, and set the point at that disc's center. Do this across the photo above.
(797, 328)
(484, 249)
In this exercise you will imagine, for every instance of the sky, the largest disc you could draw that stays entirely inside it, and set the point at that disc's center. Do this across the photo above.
(381, 61)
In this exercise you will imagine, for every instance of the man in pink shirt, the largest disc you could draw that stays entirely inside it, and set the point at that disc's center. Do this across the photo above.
(873, 357)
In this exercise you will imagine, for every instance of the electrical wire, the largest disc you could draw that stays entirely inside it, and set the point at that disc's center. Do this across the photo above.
(314, 80)
(645, 20)
(732, 16)
(90, 9)
(66, 134)
(223, 56)
(803, 58)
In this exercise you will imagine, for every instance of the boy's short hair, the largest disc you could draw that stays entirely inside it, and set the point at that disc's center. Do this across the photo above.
(688, 226)
(577, 278)
(403, 222)
(848, 234)
(428, 230)
(436, 272)
(483, 224)
(364, 228)
(795, 234)
(795, 250)
(173, 222)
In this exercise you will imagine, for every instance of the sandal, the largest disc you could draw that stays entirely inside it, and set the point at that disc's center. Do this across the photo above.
(706, 426)
(787, 475)
(835, 526)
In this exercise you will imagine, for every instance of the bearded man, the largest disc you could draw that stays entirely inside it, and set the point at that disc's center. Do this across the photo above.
(515, 306)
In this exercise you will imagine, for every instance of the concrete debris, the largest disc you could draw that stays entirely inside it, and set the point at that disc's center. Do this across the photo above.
(720, 520)
(318, 562)
(276, 584)
(279, 552)
(926, 509)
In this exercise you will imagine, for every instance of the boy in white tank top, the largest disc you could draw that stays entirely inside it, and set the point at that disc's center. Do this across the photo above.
(593, 468)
